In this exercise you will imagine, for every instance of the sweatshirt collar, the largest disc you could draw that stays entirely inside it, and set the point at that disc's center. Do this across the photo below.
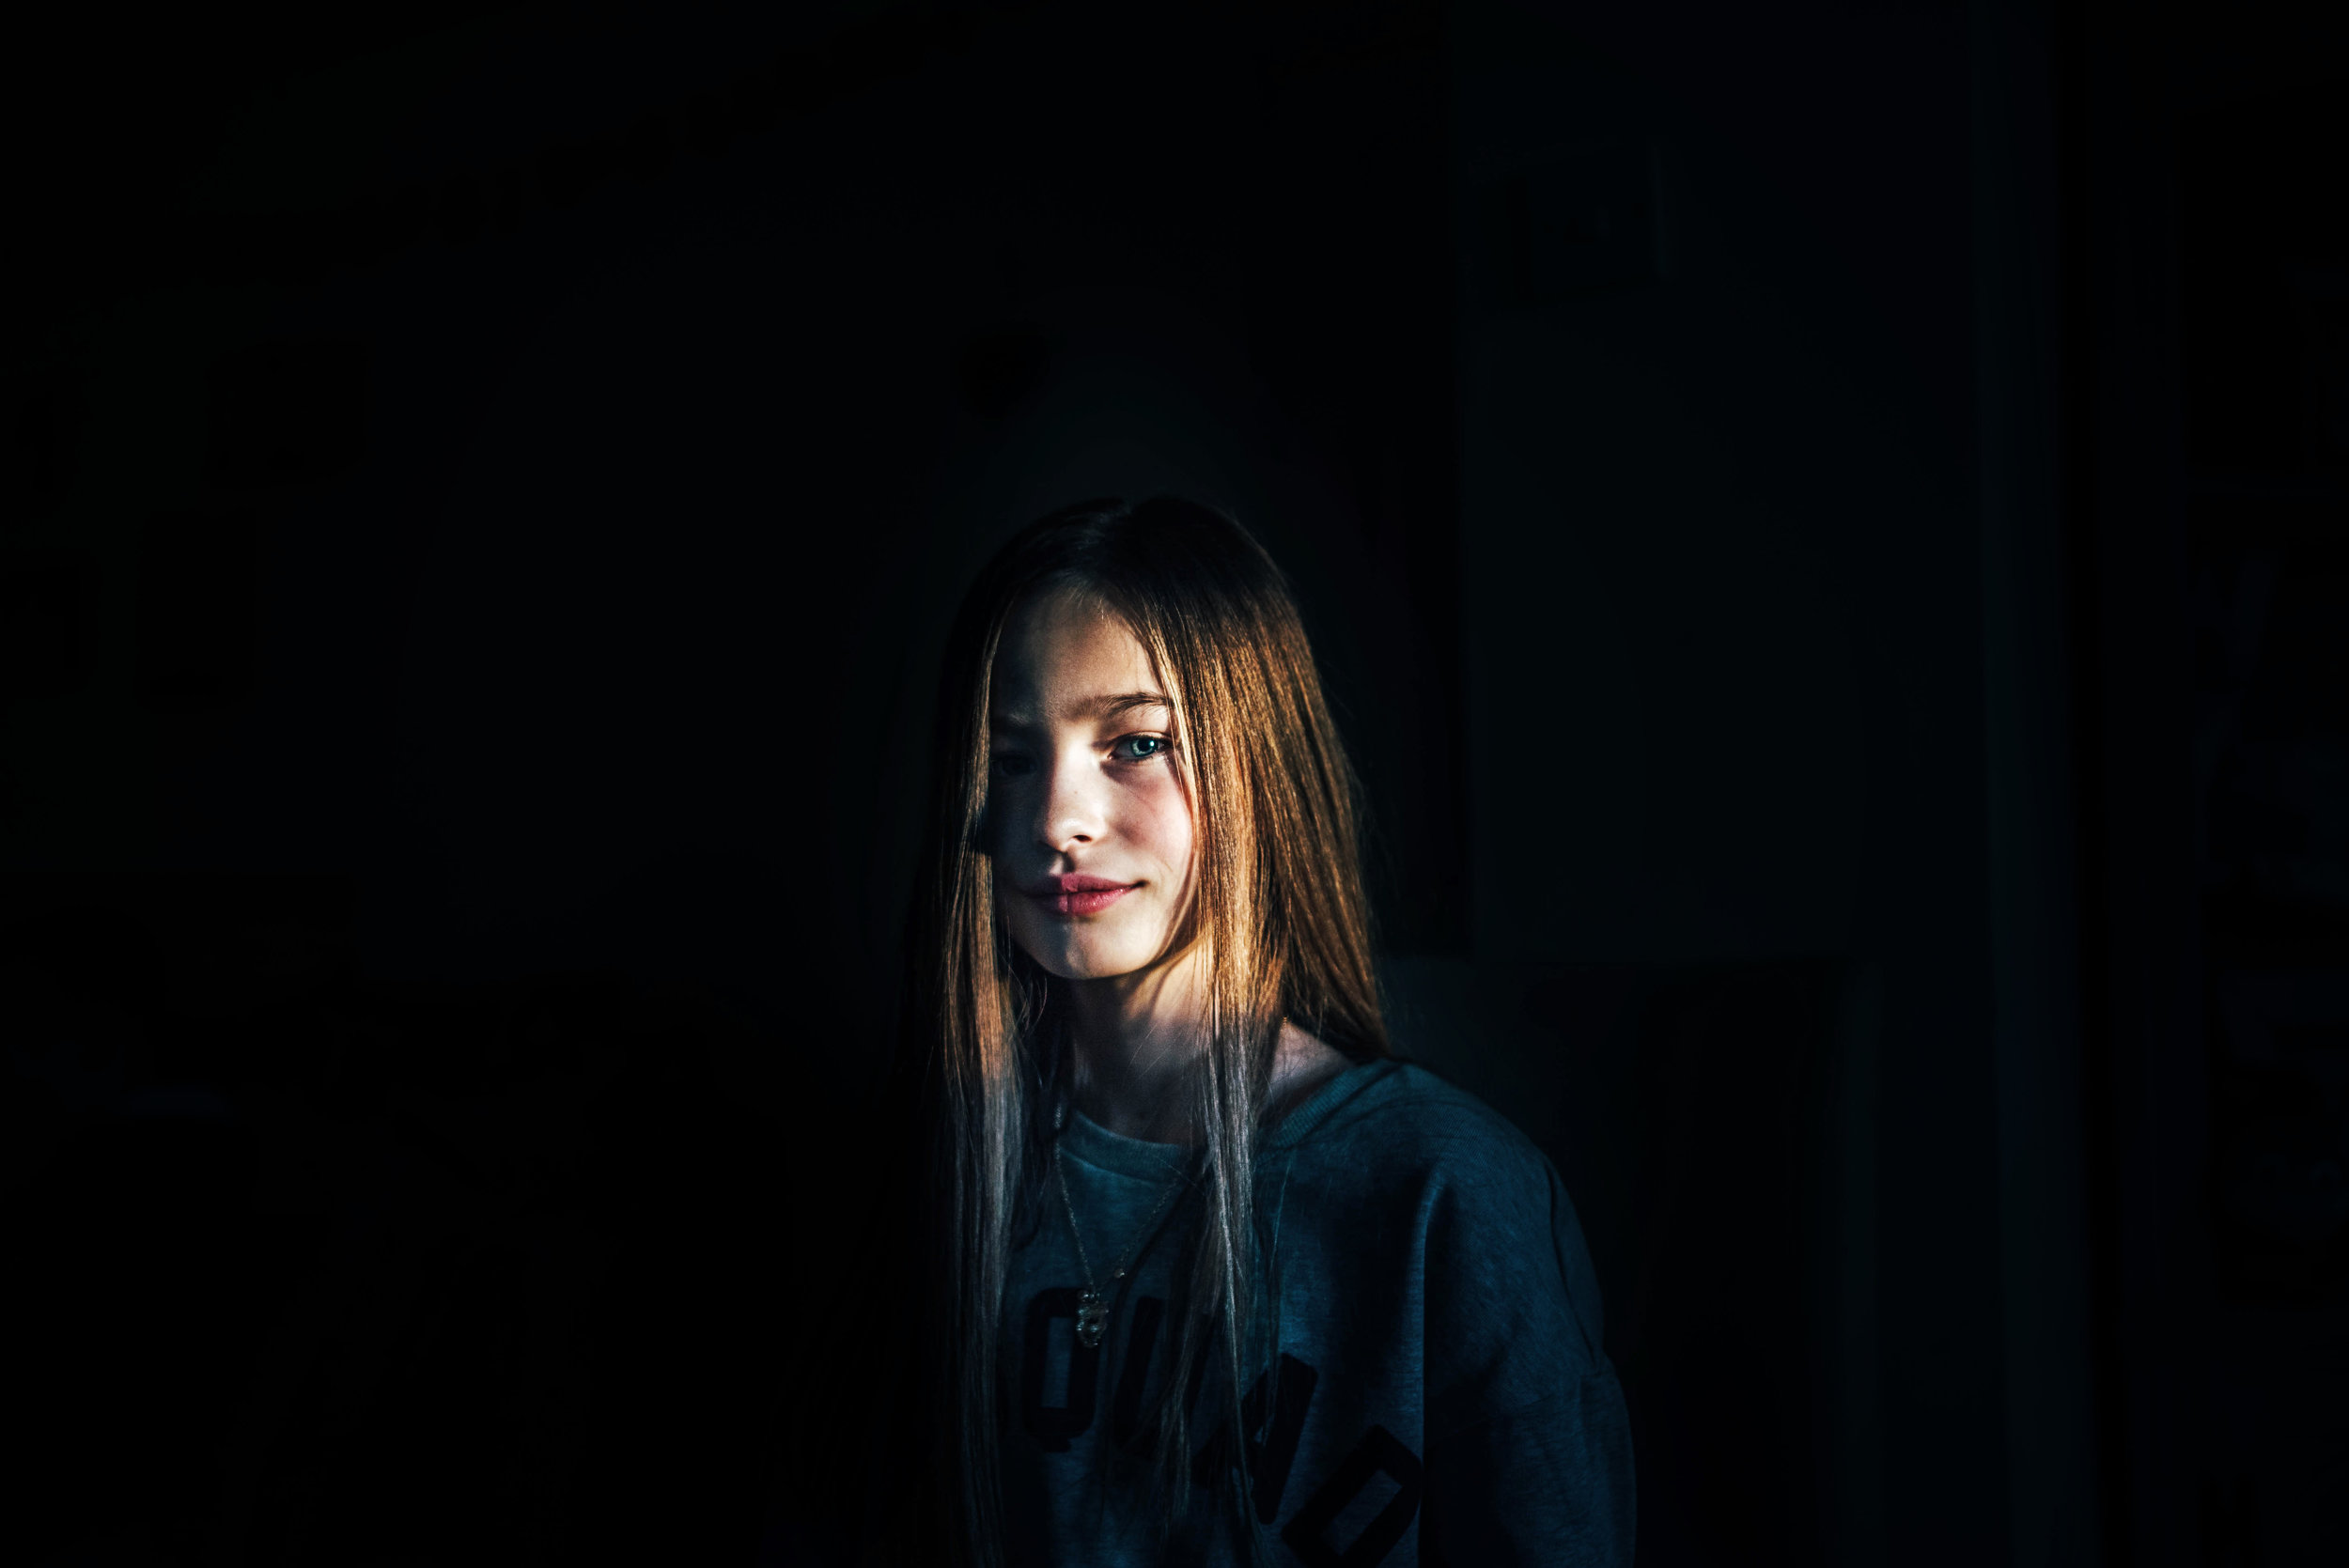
(1086, 1139)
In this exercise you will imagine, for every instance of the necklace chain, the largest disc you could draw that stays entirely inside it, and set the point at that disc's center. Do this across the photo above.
(1093, 1306)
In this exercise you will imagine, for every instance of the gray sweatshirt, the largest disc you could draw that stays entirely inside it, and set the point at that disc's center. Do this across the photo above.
(1428, 1384)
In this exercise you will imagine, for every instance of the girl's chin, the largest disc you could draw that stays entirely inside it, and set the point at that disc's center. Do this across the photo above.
(1088, 964)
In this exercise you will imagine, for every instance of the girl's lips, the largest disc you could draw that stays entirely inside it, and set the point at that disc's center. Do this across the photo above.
(1083, 900)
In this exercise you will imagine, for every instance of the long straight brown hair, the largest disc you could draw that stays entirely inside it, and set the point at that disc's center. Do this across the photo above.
(1278, 907)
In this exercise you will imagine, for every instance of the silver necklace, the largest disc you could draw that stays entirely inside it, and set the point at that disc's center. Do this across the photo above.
(1092, 1306)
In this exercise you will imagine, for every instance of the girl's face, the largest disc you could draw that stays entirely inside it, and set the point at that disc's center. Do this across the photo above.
(1087, 819)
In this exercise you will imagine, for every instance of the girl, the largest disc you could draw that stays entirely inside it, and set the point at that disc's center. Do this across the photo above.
(1215, 1277)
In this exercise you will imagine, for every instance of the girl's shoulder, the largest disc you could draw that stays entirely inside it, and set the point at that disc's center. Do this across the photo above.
(1408, 1120)
(1391, 1157)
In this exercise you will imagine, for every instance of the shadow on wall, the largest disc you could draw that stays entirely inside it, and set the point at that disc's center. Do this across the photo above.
(508, 1265)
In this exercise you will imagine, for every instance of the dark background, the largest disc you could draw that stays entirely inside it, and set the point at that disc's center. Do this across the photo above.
(1829, 531)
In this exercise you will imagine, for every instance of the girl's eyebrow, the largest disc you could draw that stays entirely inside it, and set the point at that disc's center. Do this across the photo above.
(1127, 702)
(1093, 707)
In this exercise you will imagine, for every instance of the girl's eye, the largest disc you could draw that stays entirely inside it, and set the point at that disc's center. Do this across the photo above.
(1014, 764)
(1141, 748)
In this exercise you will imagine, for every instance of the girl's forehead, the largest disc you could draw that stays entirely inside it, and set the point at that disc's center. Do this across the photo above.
(1066, 655)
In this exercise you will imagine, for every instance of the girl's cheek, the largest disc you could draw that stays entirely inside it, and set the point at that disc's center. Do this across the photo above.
(1170, 819)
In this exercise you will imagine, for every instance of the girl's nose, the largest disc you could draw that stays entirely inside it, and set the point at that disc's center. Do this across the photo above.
(1072, 807)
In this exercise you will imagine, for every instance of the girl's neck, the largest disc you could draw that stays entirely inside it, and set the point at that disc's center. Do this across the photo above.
(1137, 1040)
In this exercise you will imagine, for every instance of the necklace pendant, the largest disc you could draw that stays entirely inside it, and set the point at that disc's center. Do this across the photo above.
(1093, 1318)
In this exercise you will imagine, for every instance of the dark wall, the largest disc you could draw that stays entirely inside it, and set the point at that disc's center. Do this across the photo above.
(2263, 258)
(487, 489)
